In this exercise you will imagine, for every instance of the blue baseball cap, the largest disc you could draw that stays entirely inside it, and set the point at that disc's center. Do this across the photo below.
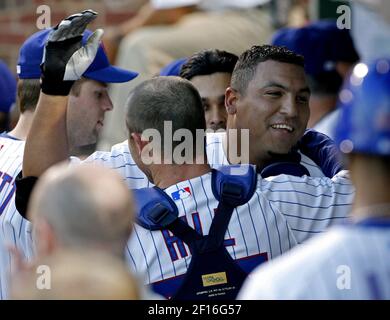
(7, 88)
(173, 68)
(31, 53)
(321, 43)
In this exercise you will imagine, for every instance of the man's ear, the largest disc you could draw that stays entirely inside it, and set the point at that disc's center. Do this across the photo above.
(138, 142)
(231, 97)
(46, 240)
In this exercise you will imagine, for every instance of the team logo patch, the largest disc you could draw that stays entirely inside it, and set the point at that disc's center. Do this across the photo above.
(213, 279)
(181, 194)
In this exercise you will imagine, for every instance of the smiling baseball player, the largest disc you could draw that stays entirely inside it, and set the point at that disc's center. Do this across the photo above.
(351, 261)
(280, 213)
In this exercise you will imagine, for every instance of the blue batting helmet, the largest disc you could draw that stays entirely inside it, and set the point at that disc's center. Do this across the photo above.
(364, 122)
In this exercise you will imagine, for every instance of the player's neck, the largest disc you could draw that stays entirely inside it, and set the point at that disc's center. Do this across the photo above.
(238, 150)
(319, 107)
(23, 126)
(372, 198)
(166, 175)
(371, 202)
(377, 210)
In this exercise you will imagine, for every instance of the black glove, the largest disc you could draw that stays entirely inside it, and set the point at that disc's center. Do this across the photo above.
(65, 60)
(24, 188)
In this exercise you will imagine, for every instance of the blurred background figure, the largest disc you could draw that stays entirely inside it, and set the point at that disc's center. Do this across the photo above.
(229, 22)
(163, 31)
(371, 28)
(76, 275)
(7, 95)
(329, 55)
(210, 71)
(74, 208)
(85, 210)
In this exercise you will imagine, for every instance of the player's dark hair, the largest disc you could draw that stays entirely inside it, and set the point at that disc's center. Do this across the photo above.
(28, 94)
(248, 61)
(165, 99)
(207, 62)
(76, 87)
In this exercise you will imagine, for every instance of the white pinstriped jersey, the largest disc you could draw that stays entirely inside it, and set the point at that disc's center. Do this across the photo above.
(347, 262)
(217, 157)
(14, 229)
(119, 159)
(284, 211)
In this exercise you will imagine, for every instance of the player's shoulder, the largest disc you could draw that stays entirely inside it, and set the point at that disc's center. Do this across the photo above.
(119, 153)
(6, 139)
(285, 182)
(215, 149)
(214, 140)
(192, 189)
(215, 136)
(11, 147)
(303, 271)
(286, 276)
(311, 166)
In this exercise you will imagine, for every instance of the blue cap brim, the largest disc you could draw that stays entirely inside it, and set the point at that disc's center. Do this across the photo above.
(111, 74)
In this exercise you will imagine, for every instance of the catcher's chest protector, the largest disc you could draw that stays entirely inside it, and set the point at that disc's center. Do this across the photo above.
(212, 273)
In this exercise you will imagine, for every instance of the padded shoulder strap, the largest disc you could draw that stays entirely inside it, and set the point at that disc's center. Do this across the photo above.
(234, 185)
(155, 209)
(291, 168)
(323, 151)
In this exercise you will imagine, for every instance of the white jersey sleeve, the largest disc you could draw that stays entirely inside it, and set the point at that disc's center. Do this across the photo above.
(14, 229)
(310, 205)
(348, 262)
(120, 159)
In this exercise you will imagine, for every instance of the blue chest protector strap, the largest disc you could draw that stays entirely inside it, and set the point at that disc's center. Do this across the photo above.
(212, 273)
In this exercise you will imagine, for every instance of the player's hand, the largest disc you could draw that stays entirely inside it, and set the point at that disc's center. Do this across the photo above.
(65, 60)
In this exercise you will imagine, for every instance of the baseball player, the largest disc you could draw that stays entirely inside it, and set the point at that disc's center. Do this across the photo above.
(282, 212)
(351, 261)
(283, 124)
(272, 105)
(45, 137)
(86, 107)
(210, 72)
(173, 97)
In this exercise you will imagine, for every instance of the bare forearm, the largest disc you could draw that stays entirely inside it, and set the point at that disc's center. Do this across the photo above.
(46, 142)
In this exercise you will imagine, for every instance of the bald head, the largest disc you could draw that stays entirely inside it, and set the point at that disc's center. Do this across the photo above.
(83, 206)
(77, 275)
